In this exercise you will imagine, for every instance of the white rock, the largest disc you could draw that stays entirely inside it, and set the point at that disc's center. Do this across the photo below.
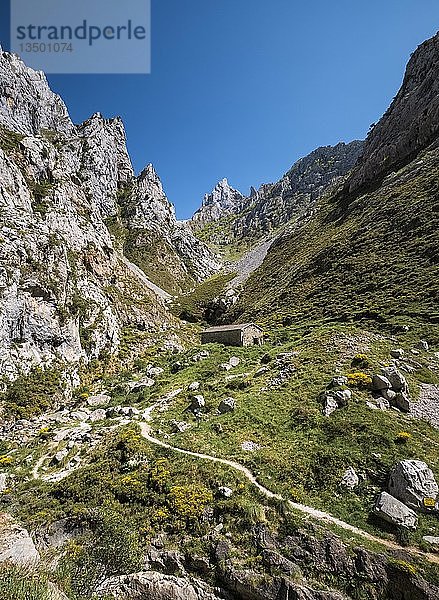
(411, 481)
(392, 510)
(350, 479)
(16, 545)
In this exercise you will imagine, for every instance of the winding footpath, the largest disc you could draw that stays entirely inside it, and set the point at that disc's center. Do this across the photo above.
(308, 510)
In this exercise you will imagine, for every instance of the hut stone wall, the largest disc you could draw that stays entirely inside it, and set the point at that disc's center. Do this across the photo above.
(229, 337)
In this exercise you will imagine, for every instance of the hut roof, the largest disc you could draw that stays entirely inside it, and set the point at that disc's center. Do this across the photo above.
(230, 327)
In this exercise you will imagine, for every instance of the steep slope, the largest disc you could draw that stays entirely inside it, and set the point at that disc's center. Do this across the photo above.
(368, 253)
(67, 292)
(227, 218)
(152, 237)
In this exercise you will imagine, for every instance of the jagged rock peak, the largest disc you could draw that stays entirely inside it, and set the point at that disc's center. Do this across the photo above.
(223, 200)
(409, 125)
(27, 104)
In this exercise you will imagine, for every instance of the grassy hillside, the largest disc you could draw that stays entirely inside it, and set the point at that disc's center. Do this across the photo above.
(372, 258)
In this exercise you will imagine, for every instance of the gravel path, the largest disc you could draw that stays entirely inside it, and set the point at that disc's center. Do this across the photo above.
(313, 512)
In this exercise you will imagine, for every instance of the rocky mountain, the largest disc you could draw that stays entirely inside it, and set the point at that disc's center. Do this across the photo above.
(221, 202)
(73, 219)
(228, 218)
(370, 250)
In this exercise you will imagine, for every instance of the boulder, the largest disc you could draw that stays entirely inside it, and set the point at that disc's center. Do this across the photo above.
(397, 353)
(397, 380)
(98, 400)
(339, 381)
(411, 481)
(380, 383)
(432, 540)
(350, 479)
(3, 482)
(79, 415)
(98, 415)
(330, 404)
(152, 371)
(388, 395)
(422, 345)
(225, 492)
(156, 586)
(194, 386)
(342, 397)
(142, 384)
(225, 366)
(227, 405)
(401, 401)
(234, 361)
(16, 545)
(393, 511)
(179, 426)
(198, 402)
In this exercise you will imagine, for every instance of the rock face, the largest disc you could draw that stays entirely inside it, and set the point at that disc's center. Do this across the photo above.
(409, 125)
(411, 481)
(274, 205)
(16, 545)
(70, 206)
(393, 511)
(156, 586)
(222, 201)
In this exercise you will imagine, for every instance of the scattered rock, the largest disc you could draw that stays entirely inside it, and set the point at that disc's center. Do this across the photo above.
(176, 367)
(432, 540)
(226, 492)
(198, 403)
(194, 386)
(179, 426)
(402, 401)
(250, 446)
(3, 482)
(393, 511)
(379, 383)
(339, 381)
(98, 400)
(227, 405)
(422, 345)
(234, 361)
(411, 481)
(200, 356)
(98, 415)
(397, 353)
(397, 380)
(142, 384)
(350, 479)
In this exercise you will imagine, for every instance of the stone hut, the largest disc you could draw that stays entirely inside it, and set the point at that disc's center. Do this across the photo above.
(247, 334)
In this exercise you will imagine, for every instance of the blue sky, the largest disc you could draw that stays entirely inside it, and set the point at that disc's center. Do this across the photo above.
(243, 88)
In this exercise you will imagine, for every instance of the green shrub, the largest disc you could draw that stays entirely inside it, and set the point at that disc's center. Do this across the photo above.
(22, 583)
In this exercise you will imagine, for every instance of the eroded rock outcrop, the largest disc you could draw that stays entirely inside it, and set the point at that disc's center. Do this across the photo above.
(409, 125)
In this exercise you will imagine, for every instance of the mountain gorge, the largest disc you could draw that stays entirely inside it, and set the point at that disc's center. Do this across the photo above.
(137, 463)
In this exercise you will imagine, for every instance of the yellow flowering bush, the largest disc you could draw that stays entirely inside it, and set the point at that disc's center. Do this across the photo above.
(359, 380)
(189, 501)
(403, 437)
